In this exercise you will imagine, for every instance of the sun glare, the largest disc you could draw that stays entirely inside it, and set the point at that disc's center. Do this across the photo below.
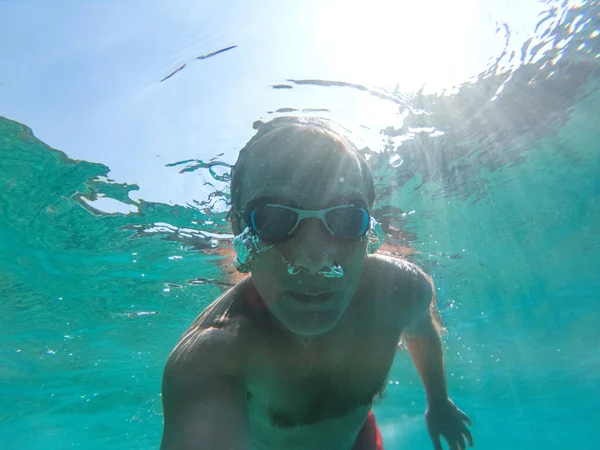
(404, 43)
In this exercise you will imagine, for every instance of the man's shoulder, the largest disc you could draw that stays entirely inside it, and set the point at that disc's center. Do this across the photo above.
(400, 282)
(214, 341)
(393, 271)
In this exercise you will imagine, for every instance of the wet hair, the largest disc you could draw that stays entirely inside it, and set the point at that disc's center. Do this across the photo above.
(308, 132)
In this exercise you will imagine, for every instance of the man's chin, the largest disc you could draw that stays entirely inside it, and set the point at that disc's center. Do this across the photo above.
(302, 330)
(310, 317)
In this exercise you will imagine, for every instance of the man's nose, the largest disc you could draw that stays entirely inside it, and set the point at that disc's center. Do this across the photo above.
(310, 248)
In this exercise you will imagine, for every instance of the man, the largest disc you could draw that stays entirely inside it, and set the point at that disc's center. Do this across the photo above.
(293, 356)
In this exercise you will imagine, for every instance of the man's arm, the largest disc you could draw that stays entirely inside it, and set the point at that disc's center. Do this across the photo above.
(204, 401)
(425, 349)
(422, 337)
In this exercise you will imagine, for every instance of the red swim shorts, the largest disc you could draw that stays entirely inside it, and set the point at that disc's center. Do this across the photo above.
(369, 437)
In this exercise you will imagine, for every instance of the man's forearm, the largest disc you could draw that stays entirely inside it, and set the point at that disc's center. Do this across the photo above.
(426, 352)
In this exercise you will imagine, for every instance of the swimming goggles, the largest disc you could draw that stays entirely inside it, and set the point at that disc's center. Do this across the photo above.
(273, 222)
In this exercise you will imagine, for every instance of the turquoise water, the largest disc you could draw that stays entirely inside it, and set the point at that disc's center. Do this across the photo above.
(495, 185)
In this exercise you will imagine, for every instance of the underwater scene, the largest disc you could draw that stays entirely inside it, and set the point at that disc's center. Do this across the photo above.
(119, 127)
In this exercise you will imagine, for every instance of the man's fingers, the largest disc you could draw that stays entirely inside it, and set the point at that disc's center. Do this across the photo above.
(437, 443)
(469, 437)
(453, 445)
(465, 418)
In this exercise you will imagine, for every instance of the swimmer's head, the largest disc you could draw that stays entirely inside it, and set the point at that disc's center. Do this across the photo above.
(294, 139)
(309, 191)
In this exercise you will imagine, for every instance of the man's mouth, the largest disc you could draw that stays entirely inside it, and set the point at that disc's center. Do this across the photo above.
(316, 300)
(316, 297)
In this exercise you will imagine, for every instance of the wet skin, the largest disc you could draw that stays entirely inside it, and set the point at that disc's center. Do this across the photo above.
(296, 361)
(312, 186)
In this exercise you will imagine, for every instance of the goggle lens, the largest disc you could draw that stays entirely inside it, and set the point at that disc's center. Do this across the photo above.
(272, 222)
(348, 222)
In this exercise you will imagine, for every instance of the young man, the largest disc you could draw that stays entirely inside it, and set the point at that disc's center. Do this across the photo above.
(293, 356)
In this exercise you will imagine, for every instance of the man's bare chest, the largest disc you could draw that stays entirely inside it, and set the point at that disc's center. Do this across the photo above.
(304, 388)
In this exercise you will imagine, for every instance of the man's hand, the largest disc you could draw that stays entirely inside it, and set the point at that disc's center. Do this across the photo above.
(445, 419)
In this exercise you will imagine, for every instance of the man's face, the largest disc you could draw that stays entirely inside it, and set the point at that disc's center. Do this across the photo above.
(307, 303)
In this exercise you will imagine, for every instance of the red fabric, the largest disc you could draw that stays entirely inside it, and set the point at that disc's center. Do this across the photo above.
(369, 437)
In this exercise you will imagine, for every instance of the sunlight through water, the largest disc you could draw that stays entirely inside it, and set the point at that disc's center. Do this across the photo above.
(118, 129)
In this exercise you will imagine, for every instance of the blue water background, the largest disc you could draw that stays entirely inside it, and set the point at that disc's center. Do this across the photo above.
(496, 186)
